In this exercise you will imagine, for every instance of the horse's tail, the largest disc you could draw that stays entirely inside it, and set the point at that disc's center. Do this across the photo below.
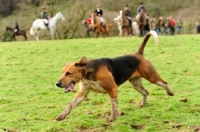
(146, 38)
(32, 31)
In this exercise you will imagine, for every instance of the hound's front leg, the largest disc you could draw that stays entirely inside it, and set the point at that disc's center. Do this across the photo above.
(77, 100)
(114, 109)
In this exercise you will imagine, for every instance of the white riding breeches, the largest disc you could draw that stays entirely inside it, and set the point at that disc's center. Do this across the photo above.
(45, 21)
(101, 19)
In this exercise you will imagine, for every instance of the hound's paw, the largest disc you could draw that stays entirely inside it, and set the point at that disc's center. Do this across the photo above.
(111, 119)
(170, 93)
(142, 105)
(60, 117)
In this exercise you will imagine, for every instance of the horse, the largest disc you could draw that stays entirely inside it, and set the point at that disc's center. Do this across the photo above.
(121, 24)
(125, 25)
(39, 24)
(98, 26)
(135, 28)
(117, 20)
(141, 22)
(13, 33)
(88, 27)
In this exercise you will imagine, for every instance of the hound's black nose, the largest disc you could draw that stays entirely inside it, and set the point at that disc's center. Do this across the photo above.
(58, 84)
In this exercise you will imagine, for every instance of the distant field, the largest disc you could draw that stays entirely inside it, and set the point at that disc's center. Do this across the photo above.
(30, 101)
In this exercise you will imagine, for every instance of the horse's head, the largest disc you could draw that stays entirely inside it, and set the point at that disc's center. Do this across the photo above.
(60, 16)
(117, 19)
(93, 14)
(121, 12)
(84, 21)
(6, 28)
(142, 11)
(9, 29)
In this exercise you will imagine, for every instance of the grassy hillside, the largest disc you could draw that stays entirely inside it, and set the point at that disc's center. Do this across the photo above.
(30, 101)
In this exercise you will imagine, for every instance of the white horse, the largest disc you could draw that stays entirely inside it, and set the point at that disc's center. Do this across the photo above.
(134, 26)
(117, 20)
(39, 24)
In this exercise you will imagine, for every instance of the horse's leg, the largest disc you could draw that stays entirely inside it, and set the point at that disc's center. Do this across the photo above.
(25, 38)
(131, 31)
(128, 31)
(120, 30)
(103, 31)
(125, 32)
(52, 31)
(96, 33)
(13, 36)
(141, 34)
(37, 35)
(107, 29)
(87, 34)
(141, 31)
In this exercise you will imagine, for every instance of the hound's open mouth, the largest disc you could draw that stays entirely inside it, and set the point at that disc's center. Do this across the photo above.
(70, 87)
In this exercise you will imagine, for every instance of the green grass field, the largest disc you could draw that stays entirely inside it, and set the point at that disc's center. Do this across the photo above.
(30, 101)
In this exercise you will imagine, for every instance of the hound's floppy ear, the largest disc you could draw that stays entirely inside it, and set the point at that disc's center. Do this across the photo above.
(83, 62)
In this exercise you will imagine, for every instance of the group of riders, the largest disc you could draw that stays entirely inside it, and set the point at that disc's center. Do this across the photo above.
(44, 16)
(127, 12)
(98, 11)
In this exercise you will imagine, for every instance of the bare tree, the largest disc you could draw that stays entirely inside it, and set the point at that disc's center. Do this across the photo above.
(8, 6)
(74, 17)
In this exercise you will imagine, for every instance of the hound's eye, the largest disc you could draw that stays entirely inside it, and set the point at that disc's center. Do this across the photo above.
(68, 73)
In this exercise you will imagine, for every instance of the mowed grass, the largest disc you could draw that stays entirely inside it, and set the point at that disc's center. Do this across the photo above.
(30, 101)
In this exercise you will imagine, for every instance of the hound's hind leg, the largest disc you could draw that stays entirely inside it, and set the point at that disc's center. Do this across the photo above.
(137, 85)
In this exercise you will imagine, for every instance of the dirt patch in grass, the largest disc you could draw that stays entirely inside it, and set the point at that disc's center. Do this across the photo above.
(87, 130)
(137, 127)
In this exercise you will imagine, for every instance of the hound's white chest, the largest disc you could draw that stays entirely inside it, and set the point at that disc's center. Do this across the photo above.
(91, 86)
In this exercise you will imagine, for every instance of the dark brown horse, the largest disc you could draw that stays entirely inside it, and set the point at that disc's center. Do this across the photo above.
(141, 22)
(13, 33)
(88, 28)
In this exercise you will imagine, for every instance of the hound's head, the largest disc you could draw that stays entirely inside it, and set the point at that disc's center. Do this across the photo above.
(72, 73)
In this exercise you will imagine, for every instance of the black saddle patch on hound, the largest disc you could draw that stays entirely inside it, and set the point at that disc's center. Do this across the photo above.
(120, 67)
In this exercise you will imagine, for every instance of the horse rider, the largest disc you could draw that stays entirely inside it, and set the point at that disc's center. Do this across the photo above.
(99, 13)
(16, 30)
(45, 17)
(139, 9)
(128, 14)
